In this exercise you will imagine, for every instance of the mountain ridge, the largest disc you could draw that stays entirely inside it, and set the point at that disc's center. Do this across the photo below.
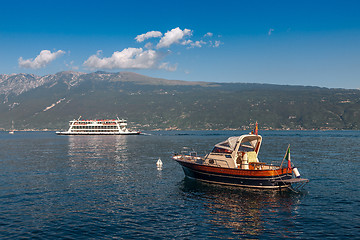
(50, 101)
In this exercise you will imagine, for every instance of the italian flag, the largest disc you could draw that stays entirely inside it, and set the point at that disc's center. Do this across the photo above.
(288, 158)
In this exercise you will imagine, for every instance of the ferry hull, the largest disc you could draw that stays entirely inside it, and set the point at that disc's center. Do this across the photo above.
(97, 133)
(266, 179)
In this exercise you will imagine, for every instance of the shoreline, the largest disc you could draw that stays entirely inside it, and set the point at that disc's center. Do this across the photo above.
(182, 130)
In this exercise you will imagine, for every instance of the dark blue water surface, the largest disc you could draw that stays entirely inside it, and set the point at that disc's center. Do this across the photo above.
(106, 187)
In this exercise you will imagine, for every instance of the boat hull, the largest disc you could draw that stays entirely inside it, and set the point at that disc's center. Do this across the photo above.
(97, 133)
(260, 179)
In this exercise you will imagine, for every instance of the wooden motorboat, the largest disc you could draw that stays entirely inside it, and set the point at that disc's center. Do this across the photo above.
(235, 162)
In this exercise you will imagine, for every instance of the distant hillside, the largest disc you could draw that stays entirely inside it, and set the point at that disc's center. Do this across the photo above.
(49, 102)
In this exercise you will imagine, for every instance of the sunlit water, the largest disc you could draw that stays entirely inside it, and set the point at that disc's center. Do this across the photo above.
(105, 187)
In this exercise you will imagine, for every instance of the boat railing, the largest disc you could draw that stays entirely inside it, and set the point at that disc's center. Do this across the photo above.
(193, 154)
(189, 156)
(263, 166)
(257, 166)
(184, 153)
(274, 165)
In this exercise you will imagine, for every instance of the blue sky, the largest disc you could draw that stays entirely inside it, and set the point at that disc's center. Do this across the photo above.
(315, 43)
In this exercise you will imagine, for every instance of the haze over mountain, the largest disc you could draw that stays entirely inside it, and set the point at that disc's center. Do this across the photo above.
(49, 102)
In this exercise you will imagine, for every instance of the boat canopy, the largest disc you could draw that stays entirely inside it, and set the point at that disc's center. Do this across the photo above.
(247, 143)
(229, 144)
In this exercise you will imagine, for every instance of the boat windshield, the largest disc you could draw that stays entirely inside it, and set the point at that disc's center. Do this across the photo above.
(220, 150)
(246, 148)
(249, 143)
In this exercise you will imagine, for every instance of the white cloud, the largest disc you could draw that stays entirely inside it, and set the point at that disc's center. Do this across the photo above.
(149, 45)
(217, 44)
(43, 59)
(151, 34)
(270, 31)
(166, 66)
(198, 44)
(127, 58)
(149, 56)
(187, 42)
(71, 66)
(173, 36)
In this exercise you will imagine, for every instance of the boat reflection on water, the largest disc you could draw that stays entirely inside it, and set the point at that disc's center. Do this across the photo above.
(246, 212)
(90, 151)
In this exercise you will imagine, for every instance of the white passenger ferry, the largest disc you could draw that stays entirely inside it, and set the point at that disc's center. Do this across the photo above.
(98, 127)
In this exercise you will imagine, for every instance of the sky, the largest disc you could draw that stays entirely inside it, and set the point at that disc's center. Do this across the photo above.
(312, 43)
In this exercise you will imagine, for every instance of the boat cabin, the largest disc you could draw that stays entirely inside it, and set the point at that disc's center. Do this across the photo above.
(235, 152)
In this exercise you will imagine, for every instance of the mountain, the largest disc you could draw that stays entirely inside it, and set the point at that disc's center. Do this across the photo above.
(49, 102)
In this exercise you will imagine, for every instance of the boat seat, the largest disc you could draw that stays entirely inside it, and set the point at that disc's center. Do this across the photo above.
(252, 156)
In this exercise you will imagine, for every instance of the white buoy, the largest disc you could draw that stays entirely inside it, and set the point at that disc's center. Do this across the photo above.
(159, 163)
(296, 172)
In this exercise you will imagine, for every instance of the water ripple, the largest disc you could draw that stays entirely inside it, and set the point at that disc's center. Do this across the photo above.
(109, 187)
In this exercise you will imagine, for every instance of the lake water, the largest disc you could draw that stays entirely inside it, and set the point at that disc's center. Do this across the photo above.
(106, 187)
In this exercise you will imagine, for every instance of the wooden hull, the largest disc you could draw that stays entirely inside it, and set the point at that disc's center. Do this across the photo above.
(261, 179)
